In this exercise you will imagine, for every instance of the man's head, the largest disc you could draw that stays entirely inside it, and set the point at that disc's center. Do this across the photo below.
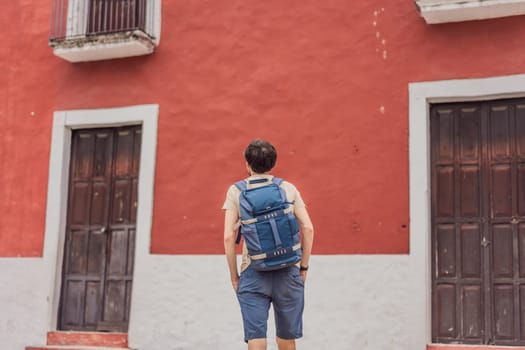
(260, 156)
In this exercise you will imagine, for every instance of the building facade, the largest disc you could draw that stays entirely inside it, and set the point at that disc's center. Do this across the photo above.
(402, 123)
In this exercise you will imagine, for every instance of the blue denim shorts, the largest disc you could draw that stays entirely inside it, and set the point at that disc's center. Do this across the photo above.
(284, 289)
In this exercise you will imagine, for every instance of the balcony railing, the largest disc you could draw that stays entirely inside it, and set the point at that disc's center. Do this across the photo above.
(73, 19)
(90, 30)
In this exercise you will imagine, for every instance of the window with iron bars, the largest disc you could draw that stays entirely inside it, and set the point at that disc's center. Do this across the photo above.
(73, 19)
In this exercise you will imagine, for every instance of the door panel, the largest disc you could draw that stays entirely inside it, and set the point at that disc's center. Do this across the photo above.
(504, 221)
(472, 312)
(444, 130)
(103, 155)
(504, 311)
(522, 312)
(501, 205)
(97, 251)
(77, 252)
(124, 154)
(458, 293)
(79, 204)
(446, 251)
(82, 165)
(121, 202)
(445, 187)
(470, 251)
(469, 204)
(469, 134)
(445, 295)
(93, 298)
(99, 204)
(520, 130)
(74, 300)
(521, 242)
(521, 189)
(499, 132)
(100, 232)
(501, 246)
(134, 200)
(478, 220)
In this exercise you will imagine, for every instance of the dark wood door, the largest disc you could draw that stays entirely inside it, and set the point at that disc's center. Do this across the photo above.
(110, 16)
(100, 233)
(478, 222)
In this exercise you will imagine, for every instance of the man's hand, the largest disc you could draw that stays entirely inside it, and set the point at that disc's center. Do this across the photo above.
(235, 282)
(303, 274)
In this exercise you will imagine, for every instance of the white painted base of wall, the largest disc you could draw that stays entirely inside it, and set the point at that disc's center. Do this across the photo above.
(187, 302)
(352, 302)
(24, 302)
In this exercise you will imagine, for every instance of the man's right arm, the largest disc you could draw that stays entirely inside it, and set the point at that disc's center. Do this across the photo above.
(230, 219)
(307, 231)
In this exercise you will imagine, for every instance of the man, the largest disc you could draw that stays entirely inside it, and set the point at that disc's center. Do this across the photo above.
(257, 289)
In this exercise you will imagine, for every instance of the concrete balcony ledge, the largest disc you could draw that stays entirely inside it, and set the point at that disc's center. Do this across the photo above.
(103, 47)
(443, 11)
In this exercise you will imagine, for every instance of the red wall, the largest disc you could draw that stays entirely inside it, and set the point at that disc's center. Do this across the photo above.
(325, 81)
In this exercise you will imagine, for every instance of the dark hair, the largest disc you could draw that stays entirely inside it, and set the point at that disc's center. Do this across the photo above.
(260, 155)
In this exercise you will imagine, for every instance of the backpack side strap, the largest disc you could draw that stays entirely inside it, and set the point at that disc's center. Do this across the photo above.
(276, 252)
(267, 216)
(241, 185)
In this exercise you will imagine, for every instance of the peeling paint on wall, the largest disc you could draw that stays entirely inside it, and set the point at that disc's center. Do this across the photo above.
(381, 41)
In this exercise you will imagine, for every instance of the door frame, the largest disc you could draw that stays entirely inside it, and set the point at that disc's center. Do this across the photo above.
(421, 95)
(57, 194)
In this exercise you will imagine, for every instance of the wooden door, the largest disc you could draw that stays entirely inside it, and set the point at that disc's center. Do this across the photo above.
(478, 222)
(100, 233)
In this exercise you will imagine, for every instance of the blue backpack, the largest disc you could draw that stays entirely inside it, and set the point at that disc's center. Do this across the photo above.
(268, 225)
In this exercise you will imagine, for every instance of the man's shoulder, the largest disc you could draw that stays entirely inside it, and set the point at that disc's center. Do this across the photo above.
(234, 187)
(289, 185)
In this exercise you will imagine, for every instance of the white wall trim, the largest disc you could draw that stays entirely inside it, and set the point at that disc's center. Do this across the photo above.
(63, 123)
(420, 96)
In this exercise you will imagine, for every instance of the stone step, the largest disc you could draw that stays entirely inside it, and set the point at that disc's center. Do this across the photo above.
(67, 340)
(72, 347)
(109, 340)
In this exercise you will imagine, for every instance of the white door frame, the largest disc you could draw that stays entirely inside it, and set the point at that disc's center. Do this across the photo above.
(56, 211)
(421, 94)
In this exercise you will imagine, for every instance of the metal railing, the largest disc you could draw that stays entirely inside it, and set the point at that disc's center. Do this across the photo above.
(71, 19)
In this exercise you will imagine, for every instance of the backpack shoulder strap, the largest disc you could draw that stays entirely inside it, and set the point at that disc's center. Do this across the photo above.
(278, 181)
(241, 185)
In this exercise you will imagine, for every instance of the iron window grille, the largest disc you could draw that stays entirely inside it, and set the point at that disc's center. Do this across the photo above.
(85, 20)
